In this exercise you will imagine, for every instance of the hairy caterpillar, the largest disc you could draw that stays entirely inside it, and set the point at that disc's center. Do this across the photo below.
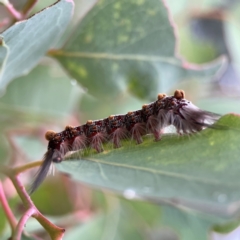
(151, 119)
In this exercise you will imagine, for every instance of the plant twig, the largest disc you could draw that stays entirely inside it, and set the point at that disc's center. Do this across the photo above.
(14, 12)
(23, 14)
(27, 166)
(28, 7)
(55, 232)
(21, 224)
(8, 212)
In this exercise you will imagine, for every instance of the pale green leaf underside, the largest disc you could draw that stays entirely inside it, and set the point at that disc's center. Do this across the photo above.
(37, 93)
(127, 46)
(115, 225)
(29, 40)
(199, 171)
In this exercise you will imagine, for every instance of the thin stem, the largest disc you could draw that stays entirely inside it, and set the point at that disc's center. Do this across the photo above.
(28, 7)
(27, 166)
(27, 201)
(10, 217)
(21, 224)
(14, 12)
(23, 14)
(14, 171)
(55, 232)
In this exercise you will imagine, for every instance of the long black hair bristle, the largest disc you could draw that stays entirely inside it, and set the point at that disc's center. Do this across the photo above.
(43, 170)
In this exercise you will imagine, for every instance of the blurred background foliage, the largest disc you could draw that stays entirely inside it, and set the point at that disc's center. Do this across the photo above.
(52, 95)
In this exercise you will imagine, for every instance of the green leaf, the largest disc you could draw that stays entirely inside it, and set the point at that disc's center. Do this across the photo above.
(226, 227)
(33, 101)
(187, 224)
(127, 46)
(45, 90)
(29, 40)
(151, 221)
(117, 223)
(200, 171)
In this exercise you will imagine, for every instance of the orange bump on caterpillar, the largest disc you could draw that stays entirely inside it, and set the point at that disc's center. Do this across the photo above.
(161, 96)
(179, 94)
(89, 122)
(69, 127)
(49, 135)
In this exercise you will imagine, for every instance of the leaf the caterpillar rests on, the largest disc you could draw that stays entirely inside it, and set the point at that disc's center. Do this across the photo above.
(151, 119)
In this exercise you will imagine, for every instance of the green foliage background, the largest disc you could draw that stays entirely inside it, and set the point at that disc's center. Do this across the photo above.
(113, 57)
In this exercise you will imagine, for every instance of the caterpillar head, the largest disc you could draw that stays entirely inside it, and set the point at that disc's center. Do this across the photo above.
(179, 94)
(50, 135)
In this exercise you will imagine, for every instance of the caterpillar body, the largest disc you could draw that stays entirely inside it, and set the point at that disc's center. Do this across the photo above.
(151, 119)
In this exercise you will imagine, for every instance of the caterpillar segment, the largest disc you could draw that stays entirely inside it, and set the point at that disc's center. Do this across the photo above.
(151, 119)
